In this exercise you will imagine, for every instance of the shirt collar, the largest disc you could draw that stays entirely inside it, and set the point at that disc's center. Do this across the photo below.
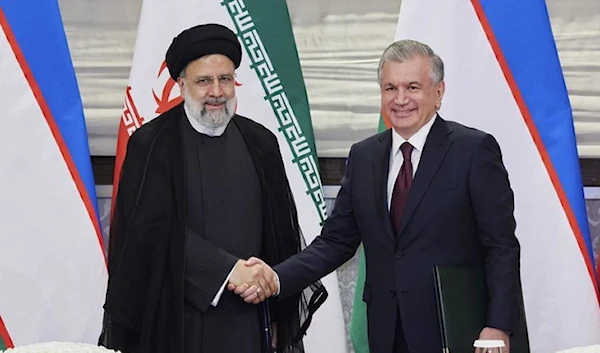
(417, 140)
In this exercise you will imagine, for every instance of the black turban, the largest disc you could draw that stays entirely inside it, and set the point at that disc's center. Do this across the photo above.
(199, 41)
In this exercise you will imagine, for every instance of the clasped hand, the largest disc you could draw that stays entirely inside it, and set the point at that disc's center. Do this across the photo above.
(253, 280)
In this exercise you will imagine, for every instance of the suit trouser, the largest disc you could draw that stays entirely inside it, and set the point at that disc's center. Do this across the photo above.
(399, 340)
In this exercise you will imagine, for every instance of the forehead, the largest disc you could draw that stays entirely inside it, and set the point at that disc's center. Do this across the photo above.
(214, 64)
(417, 69)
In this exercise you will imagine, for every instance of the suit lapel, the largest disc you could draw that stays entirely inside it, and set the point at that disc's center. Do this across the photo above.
(381, 161)
(434, 151)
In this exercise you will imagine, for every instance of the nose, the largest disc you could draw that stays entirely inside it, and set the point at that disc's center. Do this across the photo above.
(400, 97)
(215, 88)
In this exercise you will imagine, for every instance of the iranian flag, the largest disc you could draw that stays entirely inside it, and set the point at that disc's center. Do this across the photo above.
(270, 90)
(52, 266)
(503, 76)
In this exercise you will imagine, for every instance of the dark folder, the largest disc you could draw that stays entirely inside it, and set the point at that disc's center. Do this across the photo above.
(462, 306)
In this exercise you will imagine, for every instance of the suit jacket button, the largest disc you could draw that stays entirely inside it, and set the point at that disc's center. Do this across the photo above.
(399, 255)
(392, 292)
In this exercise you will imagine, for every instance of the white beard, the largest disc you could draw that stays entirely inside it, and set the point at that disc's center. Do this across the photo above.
(212, 119)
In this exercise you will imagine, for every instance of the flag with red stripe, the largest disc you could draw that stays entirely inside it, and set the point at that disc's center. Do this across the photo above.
(270, 90)
(52, 266)
(503, 76)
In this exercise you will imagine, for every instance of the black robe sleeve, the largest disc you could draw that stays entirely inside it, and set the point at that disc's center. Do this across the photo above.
(139, 243)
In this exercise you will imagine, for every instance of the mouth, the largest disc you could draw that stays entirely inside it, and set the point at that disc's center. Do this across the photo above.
(214, 104)
(402, 112)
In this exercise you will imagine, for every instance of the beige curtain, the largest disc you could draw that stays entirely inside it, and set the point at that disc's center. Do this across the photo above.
(339, 42)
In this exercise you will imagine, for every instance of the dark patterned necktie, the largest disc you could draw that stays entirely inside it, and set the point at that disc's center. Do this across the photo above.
(401, 187)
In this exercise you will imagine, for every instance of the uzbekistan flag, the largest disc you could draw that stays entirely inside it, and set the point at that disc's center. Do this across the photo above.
(503, 76)
(52, 266)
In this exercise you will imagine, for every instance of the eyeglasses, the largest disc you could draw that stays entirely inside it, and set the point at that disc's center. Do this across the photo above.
(207, 81)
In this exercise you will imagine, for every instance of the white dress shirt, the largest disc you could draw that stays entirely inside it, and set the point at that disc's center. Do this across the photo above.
(396, 158)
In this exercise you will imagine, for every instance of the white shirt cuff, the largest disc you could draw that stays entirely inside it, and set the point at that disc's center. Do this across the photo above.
(278, 284)
(217, 297)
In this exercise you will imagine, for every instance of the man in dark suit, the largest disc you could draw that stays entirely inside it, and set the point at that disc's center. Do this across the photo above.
(426, 192)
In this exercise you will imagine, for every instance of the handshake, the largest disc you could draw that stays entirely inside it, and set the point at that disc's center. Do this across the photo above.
(253, 280)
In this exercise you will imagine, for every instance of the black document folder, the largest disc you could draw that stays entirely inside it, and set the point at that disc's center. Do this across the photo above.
(462, 298)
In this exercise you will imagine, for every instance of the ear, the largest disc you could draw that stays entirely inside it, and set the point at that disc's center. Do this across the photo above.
(439, 90)
(180, 82)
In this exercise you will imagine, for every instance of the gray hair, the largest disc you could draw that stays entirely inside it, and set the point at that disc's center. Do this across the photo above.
(406, 49)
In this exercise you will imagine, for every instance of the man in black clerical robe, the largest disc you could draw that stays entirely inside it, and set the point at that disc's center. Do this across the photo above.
(201, 189)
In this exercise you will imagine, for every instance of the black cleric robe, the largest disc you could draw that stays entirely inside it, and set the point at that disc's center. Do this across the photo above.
(224, 224)
(144, 308)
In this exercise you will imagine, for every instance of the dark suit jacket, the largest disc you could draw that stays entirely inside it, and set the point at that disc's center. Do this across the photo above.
(459, 211)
